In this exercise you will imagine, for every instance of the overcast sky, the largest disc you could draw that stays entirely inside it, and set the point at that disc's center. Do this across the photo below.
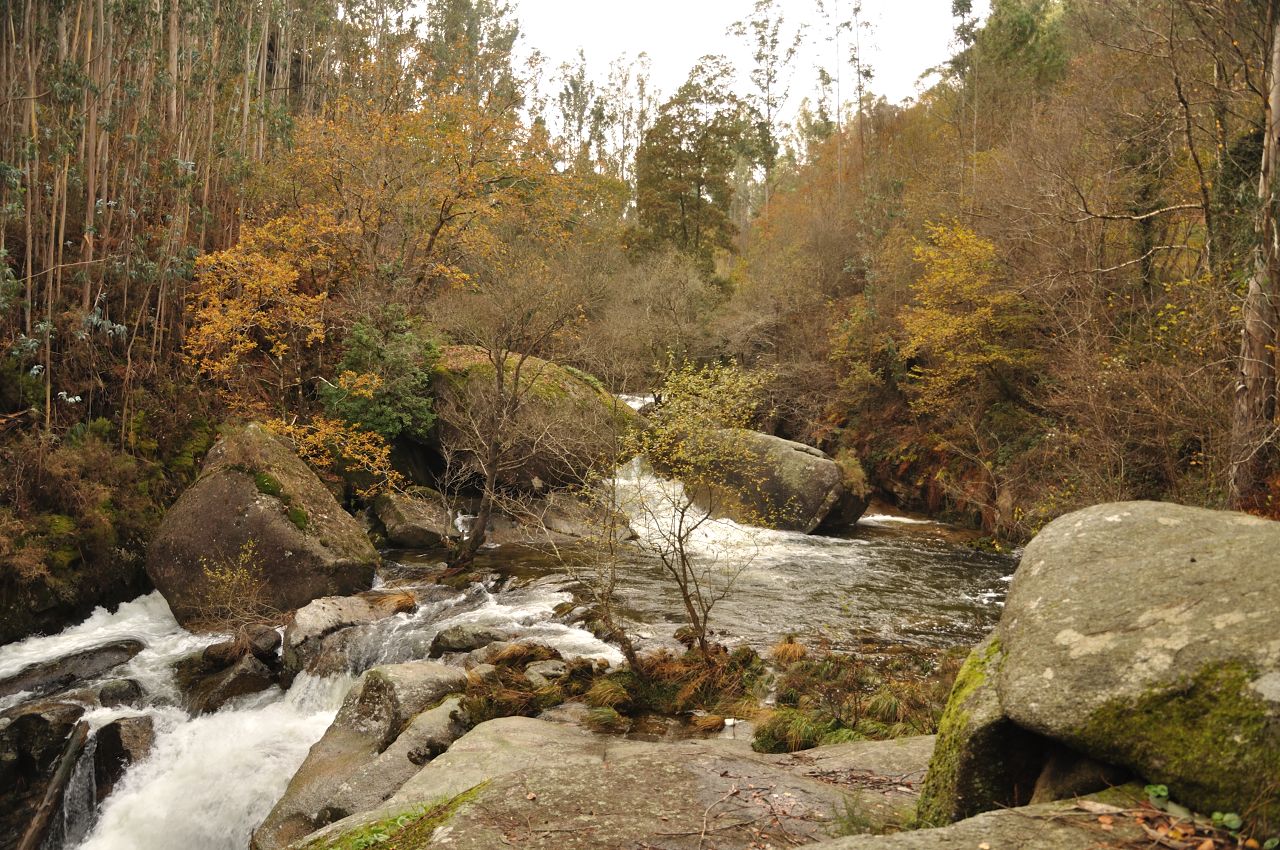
(906, 37)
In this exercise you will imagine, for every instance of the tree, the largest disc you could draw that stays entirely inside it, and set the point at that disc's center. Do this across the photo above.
(692, 440)
(1254, 427)
(773, 51)
(683, 167)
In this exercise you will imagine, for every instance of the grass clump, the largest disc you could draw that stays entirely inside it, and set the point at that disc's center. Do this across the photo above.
(835, 697)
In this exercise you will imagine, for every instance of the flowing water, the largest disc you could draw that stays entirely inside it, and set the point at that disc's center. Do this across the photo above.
(210, 780)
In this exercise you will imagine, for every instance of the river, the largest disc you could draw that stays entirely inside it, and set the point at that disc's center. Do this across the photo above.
(211, 779)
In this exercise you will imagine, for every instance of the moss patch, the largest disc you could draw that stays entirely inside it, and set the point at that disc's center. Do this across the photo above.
(1211, 739)
(409, 830)
(298, 517)
(951, 764)
(268, 484)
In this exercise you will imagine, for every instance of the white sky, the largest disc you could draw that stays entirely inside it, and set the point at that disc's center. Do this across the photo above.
(906, 37)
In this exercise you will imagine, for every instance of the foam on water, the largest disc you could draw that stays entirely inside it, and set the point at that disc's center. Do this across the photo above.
(210, 780)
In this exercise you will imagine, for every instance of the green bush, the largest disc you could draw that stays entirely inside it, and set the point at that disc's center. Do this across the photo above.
(383, 381)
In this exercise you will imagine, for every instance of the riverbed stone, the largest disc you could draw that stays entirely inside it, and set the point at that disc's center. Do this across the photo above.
(47, 677)
(120, 744)
(418, 521)
(119, 692)
(539, 784)
(207, 686)
(255, 490)
(427, 735)
(1147, 635)
(768, 481)
(315, 638)
(374, 713)
(543, 673)
(466, 637)
(32, 737)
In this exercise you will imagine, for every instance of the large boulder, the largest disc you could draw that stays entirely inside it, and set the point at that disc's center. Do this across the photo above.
(255, 491)
(1139, 635)
(120, 743)
(418, 521)
(582, 417)
(379, 707)
(208, 682)
(47, 677)
(768, 481)
(533, 783)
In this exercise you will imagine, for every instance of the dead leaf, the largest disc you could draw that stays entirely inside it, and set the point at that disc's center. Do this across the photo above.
(1207, 844)
(531, 796)
(984, 846)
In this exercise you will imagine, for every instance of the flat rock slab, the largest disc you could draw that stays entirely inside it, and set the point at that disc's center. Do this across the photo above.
(1051, 826)
(539, 784)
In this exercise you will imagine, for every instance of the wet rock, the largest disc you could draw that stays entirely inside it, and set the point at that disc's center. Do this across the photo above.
(119, 692)
(254, 488)
(373, 715)
(47, 677)
(561, 513)
(207, 687)
(537, 784)
(466, 637)
(1143, 635)
(32, 738)
(428, 735)
(120, 744)
(315, 639)
(263, 641)
(419, 521)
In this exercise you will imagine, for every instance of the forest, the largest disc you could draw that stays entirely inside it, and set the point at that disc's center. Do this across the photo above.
(1050, 281)
(388, 414)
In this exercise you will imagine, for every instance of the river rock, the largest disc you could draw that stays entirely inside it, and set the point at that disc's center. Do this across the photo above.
(768, 481)
(120, 743)
(119, 692)
(46, 677)
(207, 687)
(253, 489)
(316, 637)
(1140, 635)
(465, 637)
(583, 416)
(542, 673)
(32, 738)
(419, 521)
(427, 736)
(532, 783)
(374, 713)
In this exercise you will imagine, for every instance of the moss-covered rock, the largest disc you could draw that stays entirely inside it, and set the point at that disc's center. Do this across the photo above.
(254, 490)
(584, 418)
(982, 761)
(776, 483)
(1145, 635)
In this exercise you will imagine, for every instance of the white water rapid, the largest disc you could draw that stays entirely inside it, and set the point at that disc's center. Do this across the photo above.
(210, 780)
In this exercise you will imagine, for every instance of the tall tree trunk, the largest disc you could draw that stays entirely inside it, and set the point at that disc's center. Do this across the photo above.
(1255, 399)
